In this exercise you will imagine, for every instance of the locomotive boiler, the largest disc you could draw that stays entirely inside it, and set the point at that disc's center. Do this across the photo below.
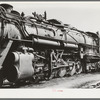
(34, 48)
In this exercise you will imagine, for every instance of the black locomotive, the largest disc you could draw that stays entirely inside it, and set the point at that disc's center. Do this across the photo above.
(32, 47)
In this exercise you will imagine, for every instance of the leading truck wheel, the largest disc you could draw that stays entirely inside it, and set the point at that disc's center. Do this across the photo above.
(1, 78)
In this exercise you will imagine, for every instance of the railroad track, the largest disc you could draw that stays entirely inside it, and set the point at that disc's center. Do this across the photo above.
(90, 80)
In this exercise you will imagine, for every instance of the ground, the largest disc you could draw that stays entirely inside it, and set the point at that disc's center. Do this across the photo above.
(82, 81)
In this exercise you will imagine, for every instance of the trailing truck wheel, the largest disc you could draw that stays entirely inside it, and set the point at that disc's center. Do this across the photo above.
(62, 72)
(78, 67)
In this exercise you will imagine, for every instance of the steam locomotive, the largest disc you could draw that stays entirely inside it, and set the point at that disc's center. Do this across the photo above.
(34, 48)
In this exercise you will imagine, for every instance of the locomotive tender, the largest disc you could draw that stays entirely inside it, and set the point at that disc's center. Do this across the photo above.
(34, 48)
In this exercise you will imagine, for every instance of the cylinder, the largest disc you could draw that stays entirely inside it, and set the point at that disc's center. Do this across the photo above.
(21, 66)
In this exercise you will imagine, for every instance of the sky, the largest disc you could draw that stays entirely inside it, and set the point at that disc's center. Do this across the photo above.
(84, 16)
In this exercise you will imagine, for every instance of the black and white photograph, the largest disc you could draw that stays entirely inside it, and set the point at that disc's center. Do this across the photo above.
(50, 45)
